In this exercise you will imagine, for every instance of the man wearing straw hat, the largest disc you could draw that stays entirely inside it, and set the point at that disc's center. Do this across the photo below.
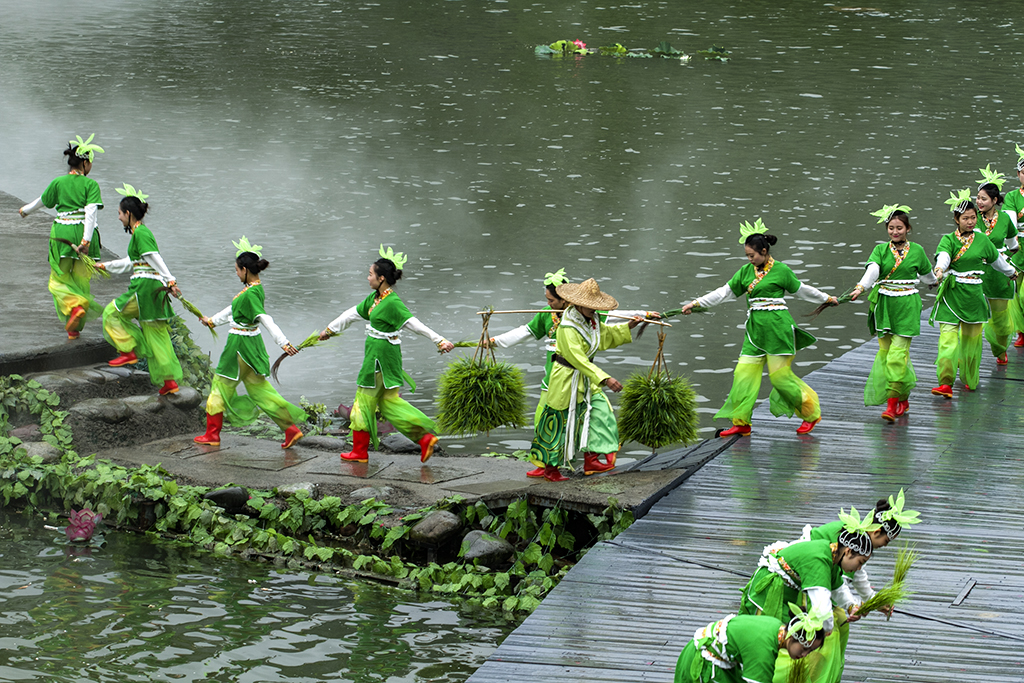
(578, 414)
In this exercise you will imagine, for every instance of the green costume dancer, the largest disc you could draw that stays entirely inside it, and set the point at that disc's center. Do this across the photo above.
(381, 375)
(144, 300)
(1013, 207)
(245, 359)
(960, 305)
(894, 311)
(772, 336)
(999, 290)
(744, 649)
(544, 325)
(577, 415)
(77, 199)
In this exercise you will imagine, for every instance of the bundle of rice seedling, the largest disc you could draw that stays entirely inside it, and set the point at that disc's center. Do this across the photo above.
(466, 344)
(312, 340)
(906, 556)
(799, 671)
(657, 409)
(89, 261)
(895, 592)
(678, 311)
(843, 298)
(188, 306)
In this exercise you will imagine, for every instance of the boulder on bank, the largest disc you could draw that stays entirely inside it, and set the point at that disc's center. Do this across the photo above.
(486, 548)
(435, 528)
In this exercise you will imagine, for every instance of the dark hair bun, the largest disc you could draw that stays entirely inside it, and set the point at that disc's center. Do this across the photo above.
(771, 239)
(251, 262)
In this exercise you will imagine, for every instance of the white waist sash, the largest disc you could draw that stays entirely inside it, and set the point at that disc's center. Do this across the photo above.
(244, 330)
(897, 287)
(391, 337)
(968, 277)
(70, 217)
(766, 304)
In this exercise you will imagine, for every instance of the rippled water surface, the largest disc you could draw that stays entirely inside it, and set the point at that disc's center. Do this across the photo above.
(138, 609)
(322, 129)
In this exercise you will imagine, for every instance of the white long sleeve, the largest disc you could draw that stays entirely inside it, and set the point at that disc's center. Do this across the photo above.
(222, 317)
(419, 328)
(270, 326)
(90, 221)
(343, 321)
(821, 603)
(119, 267)
(942, 261)
(154, 259)
(862, 585)
(716, 296)
(843, 596)
(37, 204)
(624, 320)
(870, 277)
(812, 294)
(1011, 243)
(1003, 267)
(1013, 216)
(513, 337)
(927, 278)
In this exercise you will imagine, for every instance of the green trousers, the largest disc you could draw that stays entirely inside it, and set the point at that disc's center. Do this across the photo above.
(149, 339)
(959, 349)
(892, 374)
(790, 394)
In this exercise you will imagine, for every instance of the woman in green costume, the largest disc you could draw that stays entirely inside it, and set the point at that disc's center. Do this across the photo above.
(894, 313)
(545, 326)
(381, 375)
(77, 199)
(745, 648)
(960, 305)
(999, 290)
(771, 335)
(145, 300)
(577, 414)
(245, 358)
(1013, 207)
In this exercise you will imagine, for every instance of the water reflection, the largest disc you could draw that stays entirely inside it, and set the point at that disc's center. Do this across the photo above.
(143, 610)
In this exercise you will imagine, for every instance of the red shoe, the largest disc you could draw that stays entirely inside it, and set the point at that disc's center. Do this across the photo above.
(213, 426)
(943, 390)
(291, 435)
(124, 359)
(967, 387)
(360, 444)
(537, 473)
(807, 427)
(742, 430)
(903, 407)
(552, 474)
(1002, 360)
(891, 410)
(73, 335)
(75, 317)
(610, 459)
(1019, 342)
(169, 387)
(591, 465)
(427, 443)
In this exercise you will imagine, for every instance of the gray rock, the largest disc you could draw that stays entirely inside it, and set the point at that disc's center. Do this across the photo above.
(87, 376)
(397, 443)
(187, 398)
(378, 492)
(436, 527)
(144, 404)
(119, 373)
(324, 443)
(231, 498)
(44, 450)
(52, 381)
(486, 548)
(109, 410)
(291, 489)
(28, 433)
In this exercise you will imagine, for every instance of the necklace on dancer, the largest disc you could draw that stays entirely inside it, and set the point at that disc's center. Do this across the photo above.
(990, 225)
(380, 297)
(247, 286)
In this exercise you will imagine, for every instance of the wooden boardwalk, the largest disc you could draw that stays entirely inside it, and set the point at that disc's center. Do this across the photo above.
(628, 608)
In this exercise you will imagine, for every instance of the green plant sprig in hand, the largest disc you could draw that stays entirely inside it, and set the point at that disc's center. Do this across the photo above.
(310, 341)
(88, 261)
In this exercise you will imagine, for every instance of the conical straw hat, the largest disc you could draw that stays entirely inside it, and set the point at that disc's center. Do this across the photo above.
(588, 295)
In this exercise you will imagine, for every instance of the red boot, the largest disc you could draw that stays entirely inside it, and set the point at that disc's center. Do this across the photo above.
(902, 407)
(291, 435)
(213, 426)
(807, 427)
(169, 387)
(943, 390)
(742, 430)
(1002, 360)
(73, 335)
(536, 473)
(427, 443)
(360, 444)
(76, 317)
(1019, 341)
(124, 359)
(552, 474)
(891, 410)
(591, 465)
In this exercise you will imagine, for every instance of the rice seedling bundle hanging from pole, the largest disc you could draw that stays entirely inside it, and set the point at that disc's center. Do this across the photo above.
(658, 409)
(479, 394)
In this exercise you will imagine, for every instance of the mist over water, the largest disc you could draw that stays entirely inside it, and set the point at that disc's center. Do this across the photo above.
(321, 130)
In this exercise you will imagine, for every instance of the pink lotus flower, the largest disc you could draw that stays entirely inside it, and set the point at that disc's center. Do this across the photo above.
(579, 44)
(81, 524)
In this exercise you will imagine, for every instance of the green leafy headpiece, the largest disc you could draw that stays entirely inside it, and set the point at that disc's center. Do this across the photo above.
(84, 149)
(398, 258)
(746, 229)
(243, 246)
(885, 213)
(990, 176)
(959, 201)
(556, 278)
(1020, 158)
(129, 191)
(895, 518)
(804, 626)
(855, 531)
